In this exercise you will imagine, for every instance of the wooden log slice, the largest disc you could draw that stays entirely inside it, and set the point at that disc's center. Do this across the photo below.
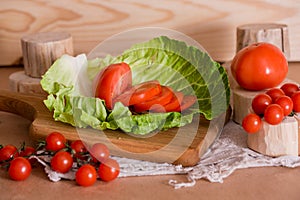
(40, 50)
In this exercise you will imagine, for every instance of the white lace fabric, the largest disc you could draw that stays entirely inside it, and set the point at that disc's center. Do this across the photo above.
(227, 154)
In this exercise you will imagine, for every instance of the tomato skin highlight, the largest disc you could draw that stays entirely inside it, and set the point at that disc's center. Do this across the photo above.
(139, 93)
(161, 99)
(109, 170)
(260, 102)
(19, 169)
(55, 141)
(86, 175)
(251, 123)
(286, 104)
(111, 82)
(99, 152)
(259, 66)
(62, 162)
(8, 152)
(274, 114)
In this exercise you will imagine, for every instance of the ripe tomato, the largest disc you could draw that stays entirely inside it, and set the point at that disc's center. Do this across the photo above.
(289, 88)
(274, 93)
(109, 170)
(259, 66)
(296, 101)
(61, 162)
(171, 106)
(260, 103)
(86, 175)
(100, 152)
(161, 99)
(19, 169)
(79, 148)
(139, 93)
(55, 141)
(187, 102)
(286, 104)
(8, 152)
(111, 82)
(251, 123)
(273, 114)
(27, 151)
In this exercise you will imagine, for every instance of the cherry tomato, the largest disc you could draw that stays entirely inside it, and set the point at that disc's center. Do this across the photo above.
(139, 93)
(260, 103)
(259, 66)
(289, 88)
(161, 99)
(274, 114)
(296, 101)
(187, 102)
(286, 104)
(55, 141)
(100, 152)
(109, 170)
(27, 151)
(171, 106)
(19, 169)
(274, 93)
(79, 148)
(112, 81)
(62, 162)
(251, 123)
(86, 175)
(8, 152)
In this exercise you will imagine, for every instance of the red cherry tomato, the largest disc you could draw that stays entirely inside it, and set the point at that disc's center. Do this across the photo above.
(259, 66)
(161, 99)
(79, 149)
(171, 106)
(187, 102)
(55, 141)
(62, 162)
(100, 152)
(86, 175)
(27, 151)
(274, 93)
(139, 93)
(274, 114)
(251, 123)
(289, 88)
(8, 152)
(19, 169)
(260, 102)
(296, 101)
(286, 104)
(109, 170)
(111, 82)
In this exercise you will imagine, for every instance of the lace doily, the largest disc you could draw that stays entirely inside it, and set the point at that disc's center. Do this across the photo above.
(228, 153)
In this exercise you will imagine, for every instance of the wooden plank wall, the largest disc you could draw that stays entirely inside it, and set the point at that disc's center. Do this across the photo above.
(212, 23)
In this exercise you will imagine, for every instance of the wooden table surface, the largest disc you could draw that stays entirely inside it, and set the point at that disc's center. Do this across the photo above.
(253, 183)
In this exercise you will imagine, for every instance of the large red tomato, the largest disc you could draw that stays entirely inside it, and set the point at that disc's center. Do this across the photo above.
(259, 66)
(112, 81)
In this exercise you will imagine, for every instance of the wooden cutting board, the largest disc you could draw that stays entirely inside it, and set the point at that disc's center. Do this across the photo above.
(183, 145)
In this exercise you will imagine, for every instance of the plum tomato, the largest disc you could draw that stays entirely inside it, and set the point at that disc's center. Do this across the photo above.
(286, 104)
(289, 88)
(109, 170)
(8, 152)
(296, 101)
(111, 82)
(162, 98)
(100, 152)
(61, 162)
(259, 66)
(86, 175)
(260, 103)
(139, 93)
(55, 141)
(19, 169)
(171, 106)
(274, 114)
(251, 123)
(274, 93)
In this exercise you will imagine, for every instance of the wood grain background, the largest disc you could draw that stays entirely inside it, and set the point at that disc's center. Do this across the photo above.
(212, 23)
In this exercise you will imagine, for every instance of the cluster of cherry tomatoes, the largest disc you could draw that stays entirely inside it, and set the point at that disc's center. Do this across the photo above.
(91, 163)
(114, 84)
(272, 106)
